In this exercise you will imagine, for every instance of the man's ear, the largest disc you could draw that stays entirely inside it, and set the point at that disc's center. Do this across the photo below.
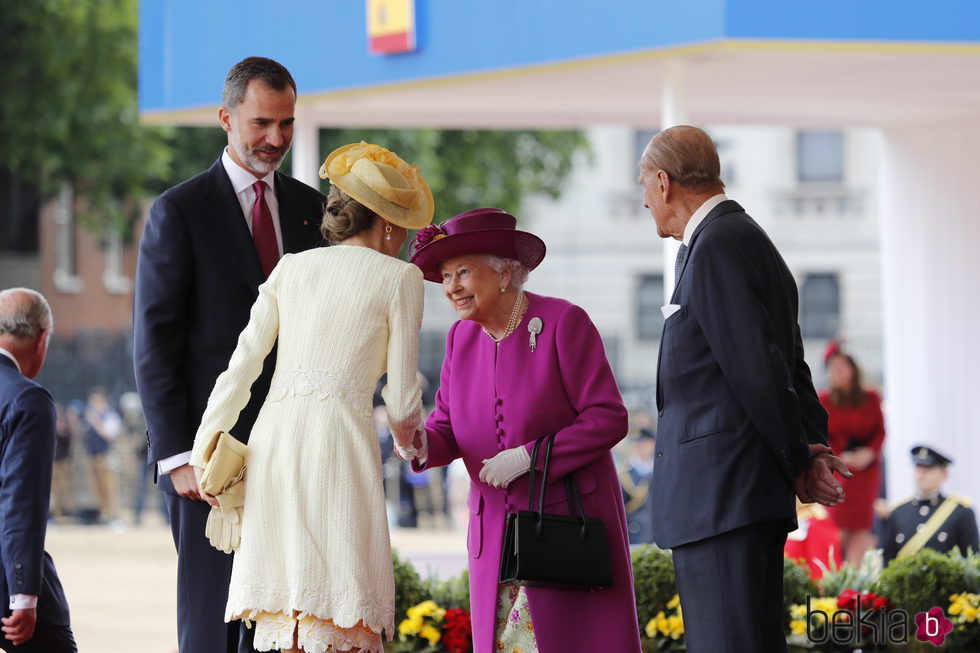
(224, 119)
(663, 181)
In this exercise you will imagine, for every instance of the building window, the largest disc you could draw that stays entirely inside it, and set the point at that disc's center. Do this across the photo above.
(113, 278)
(66, 277)
(820, 157)
(649, 299)
(820, 306)
(641, 137)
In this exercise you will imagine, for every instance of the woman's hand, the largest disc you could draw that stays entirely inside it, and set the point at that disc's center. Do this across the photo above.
(501, 470)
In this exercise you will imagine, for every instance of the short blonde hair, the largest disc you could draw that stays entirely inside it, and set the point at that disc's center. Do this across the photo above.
(688, 156)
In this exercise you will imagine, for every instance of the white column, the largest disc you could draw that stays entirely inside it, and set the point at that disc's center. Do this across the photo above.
(673, 111)
(306, 147)
(931, 287)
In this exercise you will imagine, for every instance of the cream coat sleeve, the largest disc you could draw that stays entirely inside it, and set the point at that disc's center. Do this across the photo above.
(403, 394)
(232, 390)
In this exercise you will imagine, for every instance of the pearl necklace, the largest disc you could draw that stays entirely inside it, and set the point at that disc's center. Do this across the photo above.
(516, 314)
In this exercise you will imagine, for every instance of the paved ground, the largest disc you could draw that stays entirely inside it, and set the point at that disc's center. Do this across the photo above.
(121, 585)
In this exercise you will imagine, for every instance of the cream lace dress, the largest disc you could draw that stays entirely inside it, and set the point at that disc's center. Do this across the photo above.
(315, 554)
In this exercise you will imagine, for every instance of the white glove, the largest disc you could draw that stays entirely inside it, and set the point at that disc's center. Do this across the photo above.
(507, 465)
(410, 452)
(224, 526)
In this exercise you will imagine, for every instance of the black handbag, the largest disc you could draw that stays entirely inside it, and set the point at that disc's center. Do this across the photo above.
(558, 551)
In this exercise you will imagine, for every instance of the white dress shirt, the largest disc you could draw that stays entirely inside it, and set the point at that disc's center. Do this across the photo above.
(19, 601)
(700, 215)
(242, 181)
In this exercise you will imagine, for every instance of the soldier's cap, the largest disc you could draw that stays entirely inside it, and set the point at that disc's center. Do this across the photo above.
(929, 457)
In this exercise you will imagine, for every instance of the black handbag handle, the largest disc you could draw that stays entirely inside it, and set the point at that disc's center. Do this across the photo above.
(571, 492)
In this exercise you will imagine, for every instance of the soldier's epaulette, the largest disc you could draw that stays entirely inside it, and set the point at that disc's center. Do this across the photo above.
(962, 500)
(902, 503)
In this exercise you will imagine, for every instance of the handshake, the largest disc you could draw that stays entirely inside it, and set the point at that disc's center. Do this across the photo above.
(417, 449)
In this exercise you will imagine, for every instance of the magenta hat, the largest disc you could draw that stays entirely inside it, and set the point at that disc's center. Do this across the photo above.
(480, 231)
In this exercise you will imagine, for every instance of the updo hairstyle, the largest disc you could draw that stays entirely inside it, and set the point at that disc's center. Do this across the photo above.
(344, 217)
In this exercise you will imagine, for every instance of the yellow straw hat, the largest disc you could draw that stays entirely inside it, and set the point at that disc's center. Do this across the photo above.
(381, 181)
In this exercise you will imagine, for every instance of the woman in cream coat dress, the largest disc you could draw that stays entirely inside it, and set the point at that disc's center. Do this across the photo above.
(314, 569)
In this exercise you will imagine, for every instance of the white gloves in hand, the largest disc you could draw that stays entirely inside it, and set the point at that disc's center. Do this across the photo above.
(411, 452)
(501, 470)
(224, 526)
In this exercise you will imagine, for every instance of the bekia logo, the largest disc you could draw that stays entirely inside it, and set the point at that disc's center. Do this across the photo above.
(932, 626)
(864, 622)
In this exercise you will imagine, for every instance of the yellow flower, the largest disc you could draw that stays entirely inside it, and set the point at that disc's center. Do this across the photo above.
(410, 626)
(956, 608)
(798, 611)
(970, 614)
(676, 625)
(430, 633)
(798, 626)
(651, 628)
(674, 602)
(426, 609)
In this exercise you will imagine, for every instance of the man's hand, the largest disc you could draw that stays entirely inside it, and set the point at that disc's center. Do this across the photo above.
(817, 483)
(185, 482)
(18, 628)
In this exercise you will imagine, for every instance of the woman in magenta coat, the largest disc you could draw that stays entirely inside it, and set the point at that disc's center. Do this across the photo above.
(520, 366)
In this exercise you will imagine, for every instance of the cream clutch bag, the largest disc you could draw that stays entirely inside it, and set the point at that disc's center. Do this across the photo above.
(224, 463)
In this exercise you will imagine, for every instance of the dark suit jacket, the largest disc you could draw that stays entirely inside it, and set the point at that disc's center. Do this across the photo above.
(736, 401)
(197, 277)
(27, 429)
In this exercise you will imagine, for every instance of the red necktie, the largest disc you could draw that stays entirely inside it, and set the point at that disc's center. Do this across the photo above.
(263, 231)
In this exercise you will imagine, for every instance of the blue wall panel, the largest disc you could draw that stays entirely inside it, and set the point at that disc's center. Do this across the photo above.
(187, 46)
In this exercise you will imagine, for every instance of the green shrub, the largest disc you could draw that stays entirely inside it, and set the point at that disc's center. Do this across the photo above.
(797, 584)
(921, 581)
(409, 589)
(452, 593)
(653, 581)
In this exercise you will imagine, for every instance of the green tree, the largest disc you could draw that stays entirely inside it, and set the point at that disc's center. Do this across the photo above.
(467, 169)
(69, 111)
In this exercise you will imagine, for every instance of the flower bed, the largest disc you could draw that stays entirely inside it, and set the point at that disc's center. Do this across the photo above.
(852, 608)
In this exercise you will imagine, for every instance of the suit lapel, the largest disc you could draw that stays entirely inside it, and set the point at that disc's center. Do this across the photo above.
(298, 230)
(728, 206)
(229, 223)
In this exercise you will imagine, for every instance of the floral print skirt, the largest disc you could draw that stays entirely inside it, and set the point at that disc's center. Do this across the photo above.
(274, 631)
(514, 632)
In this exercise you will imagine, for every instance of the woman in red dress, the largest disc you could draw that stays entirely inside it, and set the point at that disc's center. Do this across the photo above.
(856, 430)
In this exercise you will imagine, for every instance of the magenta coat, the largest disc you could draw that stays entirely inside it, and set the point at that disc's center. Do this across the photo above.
(494, 397)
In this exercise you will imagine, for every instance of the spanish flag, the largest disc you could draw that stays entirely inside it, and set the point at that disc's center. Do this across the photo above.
(391, 26)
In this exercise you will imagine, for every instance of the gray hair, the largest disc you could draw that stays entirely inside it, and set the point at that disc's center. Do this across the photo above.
(24, 313)
(518, 271)
(271, 73)
(688, 156)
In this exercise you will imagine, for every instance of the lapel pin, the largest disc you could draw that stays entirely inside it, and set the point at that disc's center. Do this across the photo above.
(534, 326)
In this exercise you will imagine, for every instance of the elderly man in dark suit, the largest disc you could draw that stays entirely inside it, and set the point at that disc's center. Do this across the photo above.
(36, 612)
(207, 246)
(741, 429)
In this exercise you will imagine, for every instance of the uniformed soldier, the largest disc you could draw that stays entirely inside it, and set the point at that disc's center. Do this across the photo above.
(929, 519)
(635, 479)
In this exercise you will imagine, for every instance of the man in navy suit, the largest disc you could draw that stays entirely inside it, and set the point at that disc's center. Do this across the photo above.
(36, 612)
(208, 244)
(741, 430)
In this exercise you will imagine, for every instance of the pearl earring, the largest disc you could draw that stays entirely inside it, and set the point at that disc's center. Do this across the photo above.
(388, 232)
